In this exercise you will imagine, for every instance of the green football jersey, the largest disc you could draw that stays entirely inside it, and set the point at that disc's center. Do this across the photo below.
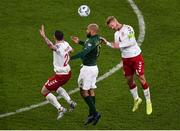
(90, 51)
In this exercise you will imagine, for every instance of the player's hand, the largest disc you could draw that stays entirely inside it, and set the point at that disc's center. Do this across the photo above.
(75, 39)
(41, 31)
(103, 40)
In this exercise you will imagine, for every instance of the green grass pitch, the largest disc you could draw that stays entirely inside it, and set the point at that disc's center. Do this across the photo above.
(26, 63)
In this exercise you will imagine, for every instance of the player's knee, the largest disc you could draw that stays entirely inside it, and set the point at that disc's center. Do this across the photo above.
(130, 81)
(142, 79)
(44, 91)
(84, 93)
(92, 92)
(60, 90)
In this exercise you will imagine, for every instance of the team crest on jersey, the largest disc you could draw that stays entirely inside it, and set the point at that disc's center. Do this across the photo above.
(89, 44)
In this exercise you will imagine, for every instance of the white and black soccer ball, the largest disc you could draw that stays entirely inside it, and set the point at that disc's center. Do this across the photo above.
(84, 10)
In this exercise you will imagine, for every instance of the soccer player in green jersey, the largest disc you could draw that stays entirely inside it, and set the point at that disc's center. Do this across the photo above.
(89, 70)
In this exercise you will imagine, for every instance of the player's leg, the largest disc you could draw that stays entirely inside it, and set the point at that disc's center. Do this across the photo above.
(97, 115)
(134, 92)
(147, 95)
(62, 92)
(129, 72)
(132, 87)
(92, 94)
(84, 85)
(93, 77)
(85, 95)
(139, 67)
(63, 79)
(50, 97)
(84, 82)
(53, 100)
(145, 87)
(52, 85)
(87, 98)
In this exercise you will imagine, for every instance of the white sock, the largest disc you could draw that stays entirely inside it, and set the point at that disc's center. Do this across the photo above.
(62, 92)
(147, 95)
(134, 93)
(53, 100)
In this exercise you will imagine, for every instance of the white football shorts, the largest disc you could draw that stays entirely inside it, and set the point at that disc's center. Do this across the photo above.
(87, 77)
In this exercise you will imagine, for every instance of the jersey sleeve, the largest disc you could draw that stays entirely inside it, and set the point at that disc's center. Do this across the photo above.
(81, 43)
(116, 37)
(88, 47)
(127, 38)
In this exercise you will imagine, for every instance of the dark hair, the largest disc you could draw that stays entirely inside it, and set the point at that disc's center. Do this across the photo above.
(59, 35)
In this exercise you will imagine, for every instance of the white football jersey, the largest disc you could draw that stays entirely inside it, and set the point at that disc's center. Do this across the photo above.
(61, 58)
(125, 37)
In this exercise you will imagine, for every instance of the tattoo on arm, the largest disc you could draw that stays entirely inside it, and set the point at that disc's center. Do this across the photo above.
(49, 43)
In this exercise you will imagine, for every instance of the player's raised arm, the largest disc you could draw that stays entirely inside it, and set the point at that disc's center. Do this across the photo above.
(46, 40)
(110, 44)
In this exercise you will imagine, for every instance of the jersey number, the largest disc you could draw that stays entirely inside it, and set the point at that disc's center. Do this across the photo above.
(66, 57)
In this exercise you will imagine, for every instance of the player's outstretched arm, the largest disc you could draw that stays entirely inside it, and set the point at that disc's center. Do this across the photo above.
(76, 40)
(110, 44)
(84, 52)
(46, 40)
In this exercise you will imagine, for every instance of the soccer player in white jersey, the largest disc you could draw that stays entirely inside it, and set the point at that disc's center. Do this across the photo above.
(61, 50)
(133, 63)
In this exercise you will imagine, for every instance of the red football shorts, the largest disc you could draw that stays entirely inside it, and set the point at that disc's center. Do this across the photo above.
(56, 81)
(133, 65)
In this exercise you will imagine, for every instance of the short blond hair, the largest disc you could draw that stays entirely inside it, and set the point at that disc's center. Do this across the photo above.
(109, 19)
(94, 27)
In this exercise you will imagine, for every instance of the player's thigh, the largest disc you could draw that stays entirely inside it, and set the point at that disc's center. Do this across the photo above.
(56, 81)
(138, 65)
(52, 83)
(44, 91)
(81, 77)
(127, 68)
(85, 78)
(87, 81)
(94, 76)
(63, 79)
(142, 79)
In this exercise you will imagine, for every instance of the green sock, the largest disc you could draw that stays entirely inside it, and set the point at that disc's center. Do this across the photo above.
(94, 100)
(90, 103)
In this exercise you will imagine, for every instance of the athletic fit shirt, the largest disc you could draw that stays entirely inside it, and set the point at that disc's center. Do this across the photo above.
(61, 58)
(90, 52)
(126, 39)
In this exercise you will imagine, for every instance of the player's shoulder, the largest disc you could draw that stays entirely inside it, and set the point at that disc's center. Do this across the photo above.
(65, 44)
(128, 27)
(116, 34)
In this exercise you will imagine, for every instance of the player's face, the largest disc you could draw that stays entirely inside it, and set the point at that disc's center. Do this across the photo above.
(88, 32)
(113, 25)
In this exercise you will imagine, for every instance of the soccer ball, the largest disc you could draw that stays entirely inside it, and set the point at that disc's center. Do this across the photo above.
(84, 10)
